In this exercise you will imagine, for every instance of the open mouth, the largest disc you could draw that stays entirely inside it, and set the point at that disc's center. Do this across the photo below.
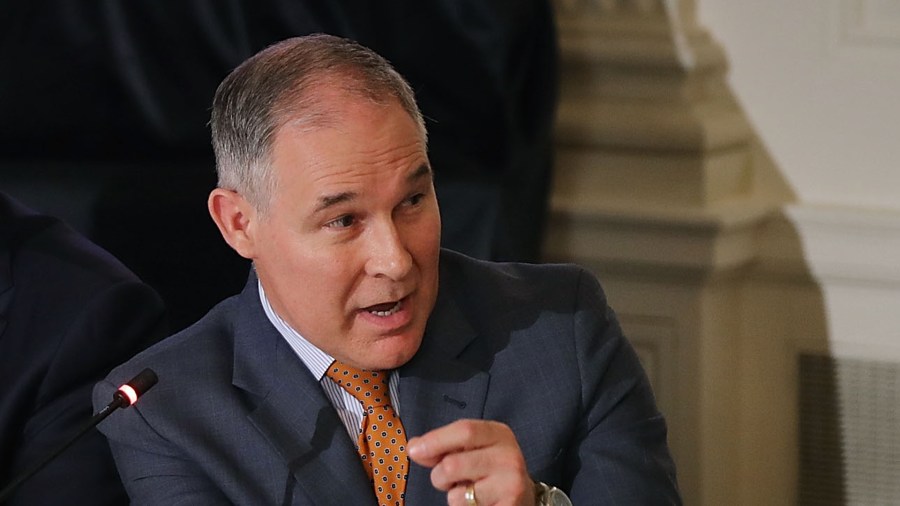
(386, 309)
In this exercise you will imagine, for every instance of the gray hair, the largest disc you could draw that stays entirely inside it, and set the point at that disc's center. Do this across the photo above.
(277, 86)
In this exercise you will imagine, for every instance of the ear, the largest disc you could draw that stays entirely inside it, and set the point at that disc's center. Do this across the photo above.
(235, 218)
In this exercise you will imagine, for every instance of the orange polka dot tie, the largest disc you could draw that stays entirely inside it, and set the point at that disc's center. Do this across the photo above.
(382, 441)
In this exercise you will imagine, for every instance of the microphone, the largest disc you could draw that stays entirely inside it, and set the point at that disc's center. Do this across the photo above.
(124, 397)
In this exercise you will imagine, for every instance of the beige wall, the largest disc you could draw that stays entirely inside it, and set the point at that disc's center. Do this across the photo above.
(819, 80)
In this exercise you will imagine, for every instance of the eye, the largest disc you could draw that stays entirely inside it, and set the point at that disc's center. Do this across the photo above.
(341, 222)
(415, 199)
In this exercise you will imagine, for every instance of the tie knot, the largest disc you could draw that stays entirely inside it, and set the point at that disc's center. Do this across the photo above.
(369, 387)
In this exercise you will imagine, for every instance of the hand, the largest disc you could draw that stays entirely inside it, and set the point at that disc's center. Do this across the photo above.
(481, 452)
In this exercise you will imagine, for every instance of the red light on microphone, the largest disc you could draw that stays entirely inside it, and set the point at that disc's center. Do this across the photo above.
(129, 393)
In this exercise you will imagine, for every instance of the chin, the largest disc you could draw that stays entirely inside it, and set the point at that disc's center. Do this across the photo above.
(393, 354)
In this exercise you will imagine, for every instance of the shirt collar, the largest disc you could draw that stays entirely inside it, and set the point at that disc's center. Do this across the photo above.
(316, 360)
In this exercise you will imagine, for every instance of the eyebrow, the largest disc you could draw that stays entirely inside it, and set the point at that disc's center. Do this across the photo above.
(423, 171)
(326, 201)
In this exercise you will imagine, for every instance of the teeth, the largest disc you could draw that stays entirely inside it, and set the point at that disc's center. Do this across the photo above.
(388, 312)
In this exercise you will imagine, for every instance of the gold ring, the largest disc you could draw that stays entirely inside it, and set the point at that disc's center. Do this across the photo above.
(470, 495)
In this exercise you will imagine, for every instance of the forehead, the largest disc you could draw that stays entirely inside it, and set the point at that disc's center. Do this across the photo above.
(325, 97)
(349, 138)
(340, 106)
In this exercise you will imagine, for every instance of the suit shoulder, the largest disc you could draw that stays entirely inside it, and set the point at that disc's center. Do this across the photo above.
(205, 345)
(511, 279)
(496, 292)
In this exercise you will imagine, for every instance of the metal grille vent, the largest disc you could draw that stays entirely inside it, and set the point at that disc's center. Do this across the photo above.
(849, 432)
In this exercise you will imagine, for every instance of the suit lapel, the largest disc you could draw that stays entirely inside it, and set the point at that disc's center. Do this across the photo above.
(439, 386)
(300, 423)
(293, 414)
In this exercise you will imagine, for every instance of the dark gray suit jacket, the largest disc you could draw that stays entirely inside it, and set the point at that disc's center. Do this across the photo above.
(237, 418)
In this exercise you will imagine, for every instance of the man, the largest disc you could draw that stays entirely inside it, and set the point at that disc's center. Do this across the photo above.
(69, 312)
(497, 375)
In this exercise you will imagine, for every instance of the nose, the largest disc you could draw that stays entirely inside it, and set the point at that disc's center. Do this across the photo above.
(388, 255)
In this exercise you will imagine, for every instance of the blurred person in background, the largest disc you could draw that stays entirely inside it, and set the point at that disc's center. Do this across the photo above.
(69, 312)
(113, 97)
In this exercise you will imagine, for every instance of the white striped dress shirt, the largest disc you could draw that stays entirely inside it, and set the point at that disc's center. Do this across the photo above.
(348, 408)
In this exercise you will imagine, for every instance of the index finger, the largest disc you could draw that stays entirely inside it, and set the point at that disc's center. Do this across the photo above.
(461, 435)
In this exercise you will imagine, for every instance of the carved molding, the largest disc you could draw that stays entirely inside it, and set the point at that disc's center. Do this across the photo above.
(656, 189)
(644, 107)
(664, 241)
(609, 7)
(838, 246)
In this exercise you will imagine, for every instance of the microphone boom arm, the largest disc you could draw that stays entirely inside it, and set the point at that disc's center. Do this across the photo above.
(121, 398)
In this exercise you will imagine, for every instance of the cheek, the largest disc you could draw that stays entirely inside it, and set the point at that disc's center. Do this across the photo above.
(320, 294)
(434, 235)
(330, 278)
(428, 232)
(310, 275)
(425, 247)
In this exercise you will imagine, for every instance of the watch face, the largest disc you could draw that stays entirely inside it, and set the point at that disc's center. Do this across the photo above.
(558, 498)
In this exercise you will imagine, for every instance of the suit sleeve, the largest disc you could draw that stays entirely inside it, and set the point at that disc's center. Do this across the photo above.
(115, 323)
(153, 470)
(620, 454)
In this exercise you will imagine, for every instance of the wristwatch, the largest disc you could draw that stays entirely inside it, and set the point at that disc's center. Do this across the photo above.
(545, 495)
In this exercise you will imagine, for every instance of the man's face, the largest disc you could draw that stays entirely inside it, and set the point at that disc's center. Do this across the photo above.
(348, 251)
